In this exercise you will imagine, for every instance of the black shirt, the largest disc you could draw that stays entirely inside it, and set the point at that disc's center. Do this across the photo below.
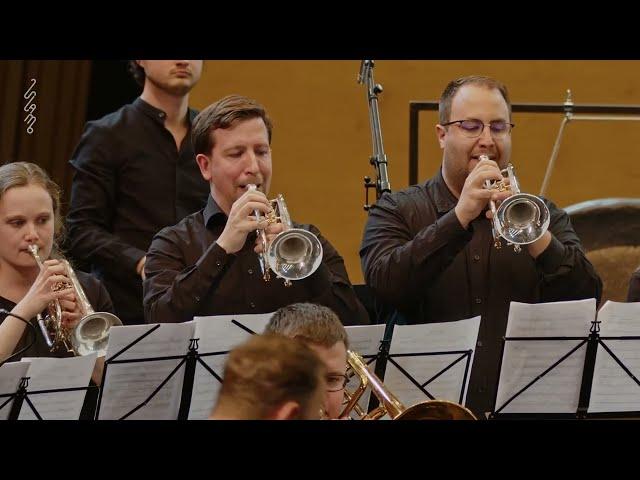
(130, 181)
(189, 274)
(418, 258)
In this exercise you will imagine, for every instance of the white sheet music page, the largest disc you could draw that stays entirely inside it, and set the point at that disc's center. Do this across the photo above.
(613, 390)
(523, 361)
(10, 376)
(365, 340)
(128, 385)
(218, 334)
(56, 373)
(442, 374)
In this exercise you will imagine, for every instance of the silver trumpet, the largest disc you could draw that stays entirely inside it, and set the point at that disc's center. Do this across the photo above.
(90, 335)
(522, 218)
(294, 253)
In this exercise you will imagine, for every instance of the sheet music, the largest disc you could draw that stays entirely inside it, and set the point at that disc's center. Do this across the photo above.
(365, 340)
(10, 375)
(523, 361)
(218, 334)
(613, 390)
(54, 373)
(456, 336)
(127, 385)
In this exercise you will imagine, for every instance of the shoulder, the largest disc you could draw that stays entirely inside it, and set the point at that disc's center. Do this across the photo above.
(184, 230)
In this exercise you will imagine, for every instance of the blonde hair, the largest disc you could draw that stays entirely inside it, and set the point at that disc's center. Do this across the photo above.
(22, 174)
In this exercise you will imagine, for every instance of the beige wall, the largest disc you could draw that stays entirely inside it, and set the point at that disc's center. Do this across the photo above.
(322, 138)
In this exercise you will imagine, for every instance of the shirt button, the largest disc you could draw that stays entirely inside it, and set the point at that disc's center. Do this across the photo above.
(252, 305)
(479, 344)
(478, 300)
(218, 263)
(197, 299)
(476, 257)
(250, 271)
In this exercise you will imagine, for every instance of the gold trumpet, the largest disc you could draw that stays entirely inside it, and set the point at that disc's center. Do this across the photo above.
(294, 253)
(90, 335)
(391, 405)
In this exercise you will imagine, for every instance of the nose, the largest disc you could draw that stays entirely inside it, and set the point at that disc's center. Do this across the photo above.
(31, 233)
(252, 166)
(486, 139)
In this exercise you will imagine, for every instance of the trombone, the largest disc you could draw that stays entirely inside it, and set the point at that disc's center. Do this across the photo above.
(391, 405)
(90, 335)
(294, 253)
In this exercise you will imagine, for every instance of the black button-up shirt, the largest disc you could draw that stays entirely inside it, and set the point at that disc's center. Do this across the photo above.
(418, 258)
(130, 181)
(189, 274)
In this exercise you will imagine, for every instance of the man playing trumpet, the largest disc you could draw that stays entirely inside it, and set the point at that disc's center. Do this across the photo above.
(428, 251)
(209, 263)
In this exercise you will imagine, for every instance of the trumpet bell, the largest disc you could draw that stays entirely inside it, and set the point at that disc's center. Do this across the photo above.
(522, 219)
(294, 254)
(91, 335)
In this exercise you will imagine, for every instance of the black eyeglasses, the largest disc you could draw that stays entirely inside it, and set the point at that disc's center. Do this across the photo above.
(336, 382)
(473, 128)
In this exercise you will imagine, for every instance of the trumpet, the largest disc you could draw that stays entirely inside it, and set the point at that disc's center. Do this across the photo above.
(90, 335)
(522, 218)
(391, 405)
(294, 253)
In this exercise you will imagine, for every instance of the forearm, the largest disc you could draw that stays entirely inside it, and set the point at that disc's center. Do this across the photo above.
(173, 291)
(333, 291)
(566, 274)
(398, 269)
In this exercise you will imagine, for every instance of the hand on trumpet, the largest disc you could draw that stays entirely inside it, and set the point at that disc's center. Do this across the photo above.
(271, 232)
(475, 196)
(43, 290)
(242, 220)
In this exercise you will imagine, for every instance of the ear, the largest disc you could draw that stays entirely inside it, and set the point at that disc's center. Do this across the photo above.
(441, 132)
(204, 163)
(287, 411)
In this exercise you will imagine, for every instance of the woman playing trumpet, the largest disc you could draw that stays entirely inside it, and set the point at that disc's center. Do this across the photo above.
(30, 215)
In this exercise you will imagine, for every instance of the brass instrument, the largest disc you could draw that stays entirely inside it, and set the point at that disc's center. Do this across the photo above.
(294, 253)
(389, 403)
(520, 219)
(90, 335)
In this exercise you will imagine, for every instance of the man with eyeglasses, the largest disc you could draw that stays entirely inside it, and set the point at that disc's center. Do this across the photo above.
(428, 251)
(322, 331)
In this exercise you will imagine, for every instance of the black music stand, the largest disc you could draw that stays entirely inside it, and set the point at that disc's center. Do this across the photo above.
(189, 360)
(592, 342)
(21, 395)
(386, 357)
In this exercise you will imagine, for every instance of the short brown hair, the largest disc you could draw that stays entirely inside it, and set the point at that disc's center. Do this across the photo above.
(21, 174)
(137, 72)
(267, 371)
(222, 114)
(310, 323)
(444, 108)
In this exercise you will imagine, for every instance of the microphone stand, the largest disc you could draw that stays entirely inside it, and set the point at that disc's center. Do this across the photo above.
(378, 159)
